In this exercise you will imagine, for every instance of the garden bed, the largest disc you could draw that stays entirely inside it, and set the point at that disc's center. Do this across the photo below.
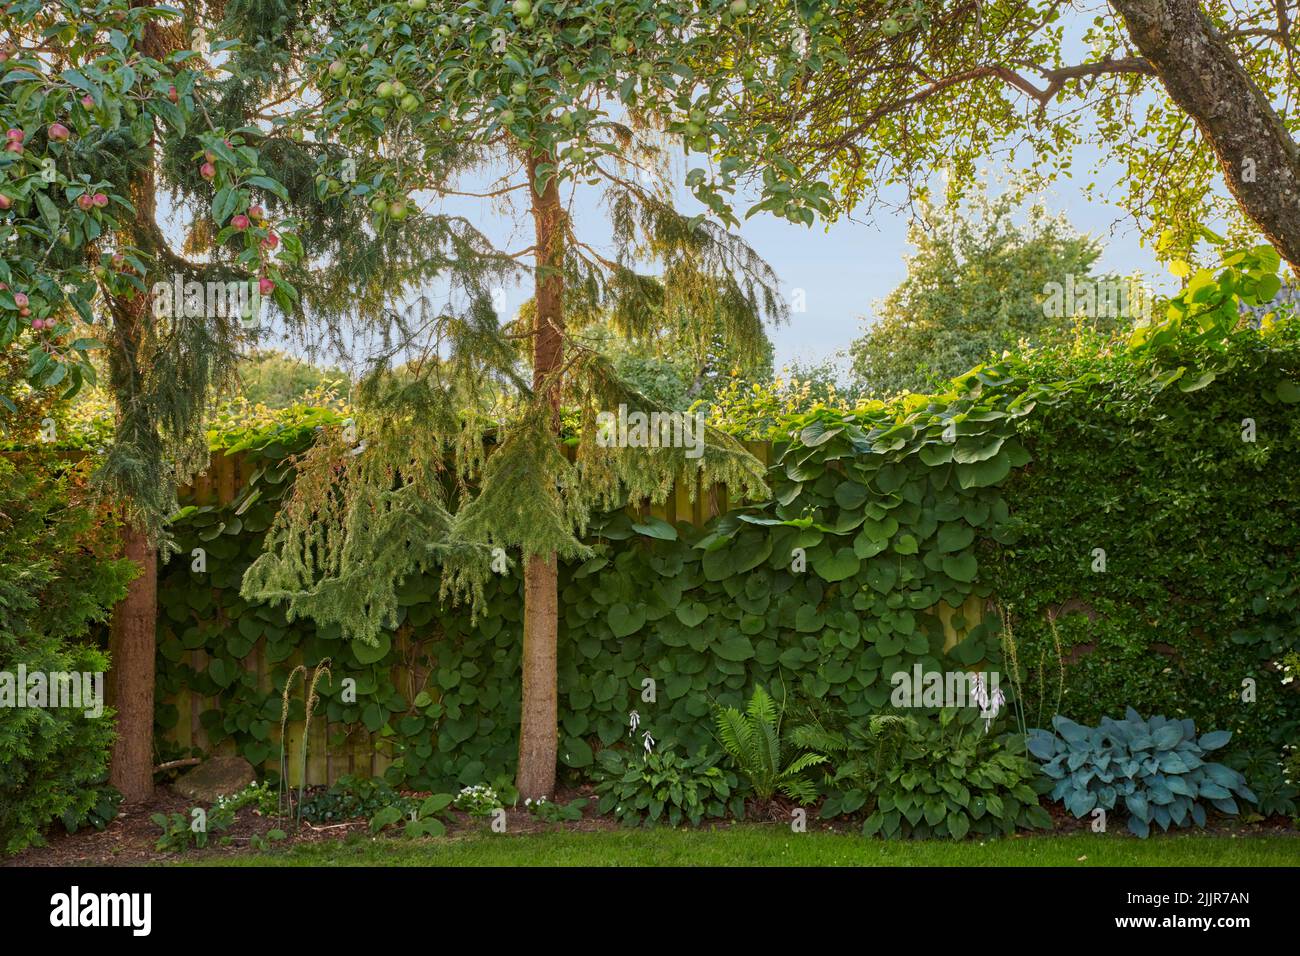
(130, 840)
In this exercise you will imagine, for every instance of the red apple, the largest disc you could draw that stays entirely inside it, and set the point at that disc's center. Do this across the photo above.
(208, 171)
(21, 300)
(173, 95)
(240, 221)
(14, 135)
(5, 203)
(265, 286)
(85, 202)
(100, 200)
(59, 133)
(88, 101)
(256, 212)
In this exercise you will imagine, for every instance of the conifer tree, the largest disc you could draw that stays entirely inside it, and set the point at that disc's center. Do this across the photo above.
(555, 97)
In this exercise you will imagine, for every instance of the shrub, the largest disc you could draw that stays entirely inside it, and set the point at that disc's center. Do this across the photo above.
(950, 778)
(663, 786)
(753, 741)
(352, 797)
(54, 582)
(1157, 766)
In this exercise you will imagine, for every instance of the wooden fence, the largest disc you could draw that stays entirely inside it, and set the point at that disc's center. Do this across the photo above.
(336, 750)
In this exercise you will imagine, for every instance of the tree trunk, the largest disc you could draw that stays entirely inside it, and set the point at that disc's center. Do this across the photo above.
(1201, 73)
(538, 718)
(131, 679)
(133, 632)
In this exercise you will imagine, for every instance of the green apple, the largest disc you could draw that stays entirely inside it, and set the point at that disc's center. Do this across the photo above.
(739, 7)
(518, 87)
(444, 31)
(891, 26)
(646, 70)
(338, 68)
(410, 103)
(529, 21)
(522, 7)
(507, 117)
(445, 124)
(417, 5)
(378, 204)
(620, 44)
(399, 89)
(398, 211)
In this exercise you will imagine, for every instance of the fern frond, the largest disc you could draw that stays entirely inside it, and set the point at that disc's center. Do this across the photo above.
(799, 790)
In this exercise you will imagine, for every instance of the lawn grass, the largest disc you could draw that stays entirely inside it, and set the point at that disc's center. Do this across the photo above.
(758, 845)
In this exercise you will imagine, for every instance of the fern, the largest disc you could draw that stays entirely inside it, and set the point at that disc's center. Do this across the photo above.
(752, 740)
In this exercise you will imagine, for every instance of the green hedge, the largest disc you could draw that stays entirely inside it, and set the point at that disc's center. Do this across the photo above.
(895, 509)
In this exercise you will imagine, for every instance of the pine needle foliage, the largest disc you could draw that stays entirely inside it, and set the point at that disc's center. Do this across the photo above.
(460, 451)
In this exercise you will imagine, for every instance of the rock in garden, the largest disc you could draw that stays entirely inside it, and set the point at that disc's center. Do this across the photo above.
(215, 777)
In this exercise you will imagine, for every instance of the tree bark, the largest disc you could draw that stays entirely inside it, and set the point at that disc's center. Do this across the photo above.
(538, 718)
(1201, 73)
(131, 678)
(132, 635)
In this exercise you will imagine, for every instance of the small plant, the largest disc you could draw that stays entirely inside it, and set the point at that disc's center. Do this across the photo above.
(421, 821)
(312, 699)
(753, 741)
(479, 800)
(1157, 766)
(550, 812)
(647, 788)
(265, 803)
(181, 832)
(949, 778)
(859, 754)
(352, 798)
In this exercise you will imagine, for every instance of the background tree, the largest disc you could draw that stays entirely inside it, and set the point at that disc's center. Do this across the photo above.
(975, 287)
(276, 379)
(553, 97)
(677, 370)
(1189, 97)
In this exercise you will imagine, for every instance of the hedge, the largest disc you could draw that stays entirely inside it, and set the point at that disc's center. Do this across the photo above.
(1001, 490)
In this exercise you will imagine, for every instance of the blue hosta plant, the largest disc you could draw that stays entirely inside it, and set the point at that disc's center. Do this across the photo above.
(1157, 767)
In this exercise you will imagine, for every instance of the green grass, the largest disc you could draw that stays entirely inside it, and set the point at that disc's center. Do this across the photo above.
(755, 845)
